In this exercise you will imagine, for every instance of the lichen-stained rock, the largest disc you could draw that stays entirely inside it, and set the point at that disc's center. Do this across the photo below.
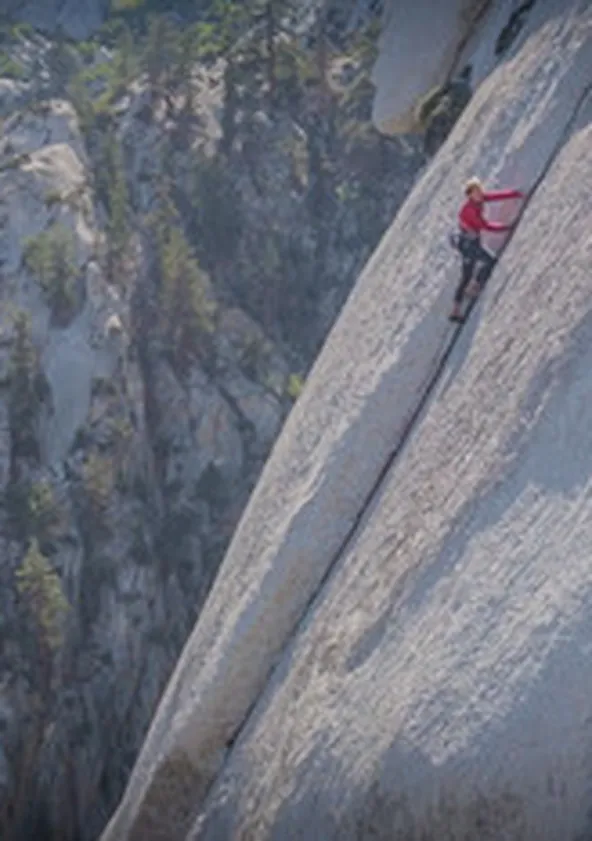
(43, 124)
(147, 124)
(253, 376)
(363, 391)
(257, 406)
(440, 686)
(12, 95)
(197, 428)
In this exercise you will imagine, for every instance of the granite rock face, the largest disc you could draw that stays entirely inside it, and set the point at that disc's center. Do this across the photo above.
(399, 625)
(440, 686)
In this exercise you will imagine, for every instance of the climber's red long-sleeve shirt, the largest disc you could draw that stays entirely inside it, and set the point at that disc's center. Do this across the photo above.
(471, 217)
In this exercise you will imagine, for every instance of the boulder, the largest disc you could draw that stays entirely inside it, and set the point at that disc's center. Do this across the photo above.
(418, 48)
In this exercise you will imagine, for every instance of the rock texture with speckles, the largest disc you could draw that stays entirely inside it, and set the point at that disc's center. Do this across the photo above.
(441, 686)
(410, 689)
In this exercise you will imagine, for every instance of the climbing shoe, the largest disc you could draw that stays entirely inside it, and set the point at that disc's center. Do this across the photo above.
(456, 314)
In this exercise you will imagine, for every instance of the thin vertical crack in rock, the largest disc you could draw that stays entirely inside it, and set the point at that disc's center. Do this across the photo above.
(404, 438)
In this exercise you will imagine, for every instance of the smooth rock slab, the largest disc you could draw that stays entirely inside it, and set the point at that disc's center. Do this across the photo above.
(441, 686)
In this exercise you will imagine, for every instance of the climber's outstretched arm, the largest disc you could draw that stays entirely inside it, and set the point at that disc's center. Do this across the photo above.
(502, 195)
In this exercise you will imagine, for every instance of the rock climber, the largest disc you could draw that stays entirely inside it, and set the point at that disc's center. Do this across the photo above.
(471, 222)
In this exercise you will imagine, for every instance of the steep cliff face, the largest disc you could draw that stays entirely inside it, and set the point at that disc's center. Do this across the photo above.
(167, 272)
(395, 643)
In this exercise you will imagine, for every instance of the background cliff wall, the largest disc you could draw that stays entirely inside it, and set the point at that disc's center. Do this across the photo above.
(167, 272)
(367, 527)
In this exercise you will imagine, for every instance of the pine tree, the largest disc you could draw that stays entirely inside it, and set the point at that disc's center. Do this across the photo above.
(81, 99)
(126, 59)
(50, 257)
(159, 54)
(187, 305)
(117, 200)
(24, 396)
(41, 587)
